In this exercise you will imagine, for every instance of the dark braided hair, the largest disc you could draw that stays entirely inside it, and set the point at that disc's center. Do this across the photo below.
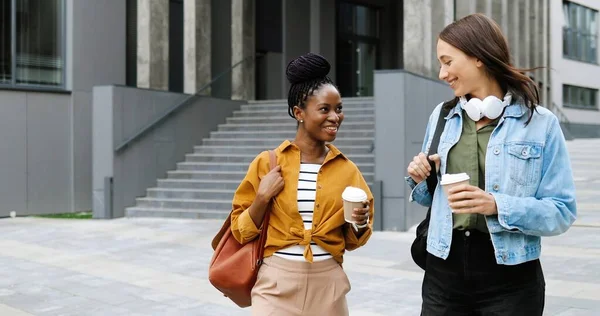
(306, 74)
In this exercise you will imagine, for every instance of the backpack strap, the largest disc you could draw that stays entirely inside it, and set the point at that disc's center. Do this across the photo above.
(432, 179)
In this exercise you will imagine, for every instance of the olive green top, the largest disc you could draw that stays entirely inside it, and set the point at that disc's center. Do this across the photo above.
(468, 156)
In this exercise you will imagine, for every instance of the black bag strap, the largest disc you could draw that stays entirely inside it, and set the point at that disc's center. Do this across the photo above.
(432, 179)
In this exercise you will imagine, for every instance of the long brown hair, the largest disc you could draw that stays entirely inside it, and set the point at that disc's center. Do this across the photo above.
(480, 37)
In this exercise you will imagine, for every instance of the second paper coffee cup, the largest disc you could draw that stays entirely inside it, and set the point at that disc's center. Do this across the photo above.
(451, 180)
(353, 198)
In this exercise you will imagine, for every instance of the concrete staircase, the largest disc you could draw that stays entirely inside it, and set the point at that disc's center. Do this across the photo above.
(203, 185)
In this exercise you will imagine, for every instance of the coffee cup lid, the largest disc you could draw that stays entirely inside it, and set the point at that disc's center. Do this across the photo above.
(453, 178)
(353, 194)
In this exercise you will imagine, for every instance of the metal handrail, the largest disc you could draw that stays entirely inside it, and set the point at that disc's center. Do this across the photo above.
(148, 127)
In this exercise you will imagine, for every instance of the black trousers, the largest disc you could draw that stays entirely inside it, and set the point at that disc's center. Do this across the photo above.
(470, 282)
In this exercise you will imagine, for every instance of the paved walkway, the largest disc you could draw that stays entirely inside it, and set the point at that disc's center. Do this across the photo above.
(159, 267)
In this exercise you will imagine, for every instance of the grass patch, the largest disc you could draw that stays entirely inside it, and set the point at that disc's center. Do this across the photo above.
(80, 215)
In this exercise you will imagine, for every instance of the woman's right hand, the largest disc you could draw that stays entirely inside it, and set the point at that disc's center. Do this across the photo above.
(270, 185)
(419, 168)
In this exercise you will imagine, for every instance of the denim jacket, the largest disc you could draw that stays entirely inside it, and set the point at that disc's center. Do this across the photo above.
(527, 170)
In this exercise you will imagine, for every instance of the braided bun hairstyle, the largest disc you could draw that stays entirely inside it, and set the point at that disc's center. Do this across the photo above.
(306, 74)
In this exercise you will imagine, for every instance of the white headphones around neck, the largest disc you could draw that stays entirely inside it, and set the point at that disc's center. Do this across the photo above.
(491, 107)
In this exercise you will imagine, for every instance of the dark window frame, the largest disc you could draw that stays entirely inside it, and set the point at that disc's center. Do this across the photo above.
(14, 85)
(571, 92)
(578, 41)
(343, 35)
(131, 8)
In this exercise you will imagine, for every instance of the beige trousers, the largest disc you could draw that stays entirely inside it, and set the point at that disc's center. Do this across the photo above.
(289, 288)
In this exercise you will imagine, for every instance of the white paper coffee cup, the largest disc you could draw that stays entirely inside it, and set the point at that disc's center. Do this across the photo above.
(353, 198)
(451, 180)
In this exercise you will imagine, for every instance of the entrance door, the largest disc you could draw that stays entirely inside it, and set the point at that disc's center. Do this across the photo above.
(357, 49)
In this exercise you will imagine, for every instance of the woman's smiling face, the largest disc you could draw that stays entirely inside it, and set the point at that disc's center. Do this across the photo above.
(463, 73)
(322, 115)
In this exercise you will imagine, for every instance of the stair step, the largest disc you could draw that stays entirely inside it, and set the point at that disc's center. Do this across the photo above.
(191, 194)
(247, 158)
(269, 112)
(175, 213)
(198, 184)
(279, 107)
(282, 108)
(197, 204)
(348, 100)
(290, 125)
(343, 133)
(204, 184)
(238, 166)
(271, 143)
(212, 166)
(287, 118)
(255, 150)
(206, 175)
(239, 175)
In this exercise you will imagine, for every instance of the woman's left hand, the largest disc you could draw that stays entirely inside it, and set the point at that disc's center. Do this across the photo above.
(361, 215)
(468, 199)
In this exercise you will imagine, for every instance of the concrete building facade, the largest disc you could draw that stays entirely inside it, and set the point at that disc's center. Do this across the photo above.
(574, 64)
(52, 54)
(357, 36)
(51, 62)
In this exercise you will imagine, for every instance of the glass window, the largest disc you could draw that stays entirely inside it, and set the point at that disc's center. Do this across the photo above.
(345, 21)
(576, 96)
(593, 31)
(566, 21)
(579, 97)
(580, 36)
(356, 48)
(33, 53)
(585, 97)
(366, 21)
(5, 47)
(358, 20)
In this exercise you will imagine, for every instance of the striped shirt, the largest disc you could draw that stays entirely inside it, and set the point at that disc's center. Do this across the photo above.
(307, 190)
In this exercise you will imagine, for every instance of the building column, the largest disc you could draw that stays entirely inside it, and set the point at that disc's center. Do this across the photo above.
(297, 31)
(484, 6)
(153, 44)
(417, 36)
(242, 48)
(523, 42)
(465, 7)
(499, 11)
(529, 19)
(196, 45)
(442, 15)
(504, 17)
(327, 33)
(546, 93)
(537, 42)
(512, 26)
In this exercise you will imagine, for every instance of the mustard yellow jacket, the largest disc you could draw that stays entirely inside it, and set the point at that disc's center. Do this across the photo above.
(286, 228)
